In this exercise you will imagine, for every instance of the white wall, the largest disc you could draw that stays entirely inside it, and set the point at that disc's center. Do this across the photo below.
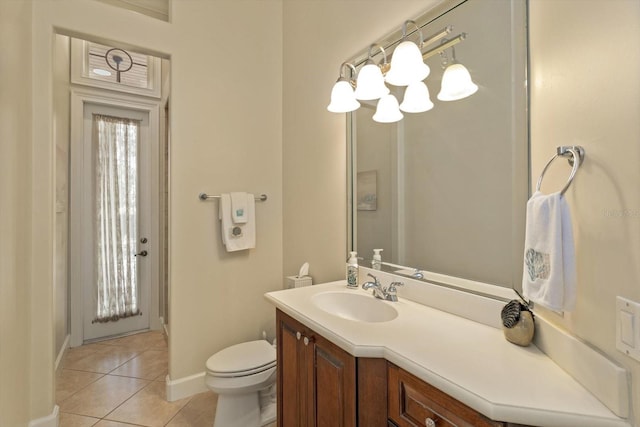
(15, 226)
(585, 90)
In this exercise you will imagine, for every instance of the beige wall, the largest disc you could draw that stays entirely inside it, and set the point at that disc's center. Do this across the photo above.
(61, 110)
(15, 183)
(318, 37)
(294, 150)
(585, 64)
(215, 297)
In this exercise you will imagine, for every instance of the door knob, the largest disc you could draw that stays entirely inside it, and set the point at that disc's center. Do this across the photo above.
(143, 253)
(144, 240)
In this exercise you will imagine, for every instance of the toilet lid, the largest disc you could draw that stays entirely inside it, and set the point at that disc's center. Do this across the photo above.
(247, 357)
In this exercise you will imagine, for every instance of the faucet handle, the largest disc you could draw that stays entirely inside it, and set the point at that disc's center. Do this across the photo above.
(392, 286)
(375, 279)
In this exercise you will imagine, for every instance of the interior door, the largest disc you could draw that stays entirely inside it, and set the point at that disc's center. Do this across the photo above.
(116, 207)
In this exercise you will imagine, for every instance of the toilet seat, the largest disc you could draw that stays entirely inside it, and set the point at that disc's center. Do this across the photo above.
(242, 359)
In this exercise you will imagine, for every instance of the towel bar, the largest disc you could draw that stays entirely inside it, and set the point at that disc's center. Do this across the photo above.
(576, 159)
(205, 196)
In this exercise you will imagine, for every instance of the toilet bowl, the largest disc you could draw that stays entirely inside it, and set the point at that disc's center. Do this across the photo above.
(238, 374)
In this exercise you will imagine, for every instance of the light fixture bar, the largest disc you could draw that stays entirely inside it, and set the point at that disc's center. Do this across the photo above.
(436, 37)
(436, 50)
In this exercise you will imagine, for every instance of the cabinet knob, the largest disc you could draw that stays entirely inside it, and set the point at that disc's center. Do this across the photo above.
(306, 341)
(298, 336)
(429, 422)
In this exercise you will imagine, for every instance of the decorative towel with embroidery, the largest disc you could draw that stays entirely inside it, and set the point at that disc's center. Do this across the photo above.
(549, 276)
(237, 236)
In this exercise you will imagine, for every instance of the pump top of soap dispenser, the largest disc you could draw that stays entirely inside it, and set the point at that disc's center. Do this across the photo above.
(353, 258)
(376, 263)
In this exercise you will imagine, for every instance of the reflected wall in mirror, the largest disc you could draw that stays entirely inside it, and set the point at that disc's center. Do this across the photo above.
(452, 182)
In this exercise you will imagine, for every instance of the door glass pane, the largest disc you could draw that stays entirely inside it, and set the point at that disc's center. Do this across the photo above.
(116, 217)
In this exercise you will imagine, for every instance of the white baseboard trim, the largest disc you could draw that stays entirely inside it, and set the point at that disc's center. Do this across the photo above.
(50, 420)
(62, 351)
(185, 387)
(165, 327)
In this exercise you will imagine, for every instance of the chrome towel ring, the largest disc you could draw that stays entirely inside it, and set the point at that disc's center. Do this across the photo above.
(577, 156)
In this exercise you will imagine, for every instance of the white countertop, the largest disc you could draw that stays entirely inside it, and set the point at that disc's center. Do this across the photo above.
(470, 361)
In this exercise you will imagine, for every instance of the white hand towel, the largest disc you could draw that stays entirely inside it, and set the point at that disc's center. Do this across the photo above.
(237, 237)
(239, 208)
(549, 276)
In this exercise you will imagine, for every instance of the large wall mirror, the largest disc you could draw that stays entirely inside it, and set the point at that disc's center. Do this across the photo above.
(444, 192)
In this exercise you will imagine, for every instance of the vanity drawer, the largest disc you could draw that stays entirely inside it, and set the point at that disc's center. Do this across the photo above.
(414, 403)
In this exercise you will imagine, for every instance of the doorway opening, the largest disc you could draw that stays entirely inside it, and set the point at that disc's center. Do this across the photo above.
(117, 185)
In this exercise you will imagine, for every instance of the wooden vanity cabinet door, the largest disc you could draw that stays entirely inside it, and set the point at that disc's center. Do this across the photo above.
(291, 406)
(316, 379)
(412, 402)
(334, 385)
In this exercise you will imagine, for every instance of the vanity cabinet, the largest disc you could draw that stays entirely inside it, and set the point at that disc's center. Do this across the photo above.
(414, 403)
(316, 379)
(321, 385)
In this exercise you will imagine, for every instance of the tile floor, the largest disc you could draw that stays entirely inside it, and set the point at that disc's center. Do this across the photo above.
(121, 383)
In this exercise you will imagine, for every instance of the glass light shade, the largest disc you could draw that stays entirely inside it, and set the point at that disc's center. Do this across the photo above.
(370, 84)
(387, 110)
(416, 98)
(456, 83)
(342, 98)
(407, 65)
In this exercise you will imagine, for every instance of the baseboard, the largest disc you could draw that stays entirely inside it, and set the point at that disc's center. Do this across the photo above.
(62, 351)
(185, 387)
(165, 327)
(50, 420)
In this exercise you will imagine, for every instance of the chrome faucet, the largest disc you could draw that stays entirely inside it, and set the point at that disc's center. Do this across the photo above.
(389, 293)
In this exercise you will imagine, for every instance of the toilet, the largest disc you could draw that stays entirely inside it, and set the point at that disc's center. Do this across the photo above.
(244, 377)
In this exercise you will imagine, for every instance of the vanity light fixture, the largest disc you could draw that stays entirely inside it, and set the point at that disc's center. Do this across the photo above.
(407, 68)
(387, 110)
(456, 80)
(343, 99)
(370, 84)
(416, 98)
(407, 65)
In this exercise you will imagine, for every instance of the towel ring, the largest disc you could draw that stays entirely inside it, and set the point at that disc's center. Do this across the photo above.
(577, 156)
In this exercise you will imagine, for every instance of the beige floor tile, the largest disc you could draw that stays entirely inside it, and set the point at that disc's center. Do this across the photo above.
(149, 407)
(199, 412)
(152, 340)
(72, 420)
(148, 365)
(68, 382)
(103, 359)
(74, 354)
(102, 396)
(107, 423)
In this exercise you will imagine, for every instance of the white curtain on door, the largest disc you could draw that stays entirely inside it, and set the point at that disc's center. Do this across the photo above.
(116, 219)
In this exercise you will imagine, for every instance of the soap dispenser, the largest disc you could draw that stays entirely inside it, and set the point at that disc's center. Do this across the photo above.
(352, 270)
(376, 262)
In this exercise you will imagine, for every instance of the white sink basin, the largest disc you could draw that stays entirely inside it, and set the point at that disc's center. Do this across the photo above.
(355, 306)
